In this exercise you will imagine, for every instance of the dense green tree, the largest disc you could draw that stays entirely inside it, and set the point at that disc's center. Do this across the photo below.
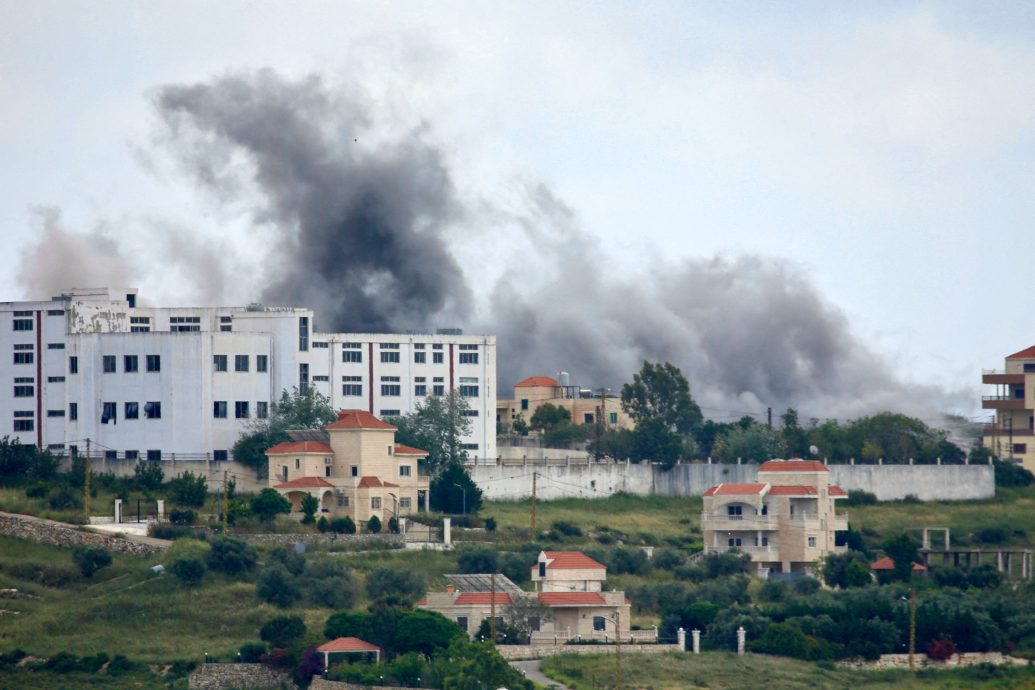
(282, 631)
(231, 556)
(189, 571)
(374, 524)
(269, 503)
(425, 632)
(405, 585)
(452, 488)
(549, 416)
(310, 504)
(438, 426)
(836, 567)
(903, 550)
(660, 391)
(90, 559)
(275, 585)
(795, 439)
(188, 489)
(477, 559)
(294, 410)
(755, 443)
(654, 441)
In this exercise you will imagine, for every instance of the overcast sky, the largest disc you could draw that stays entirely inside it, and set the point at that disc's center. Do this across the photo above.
(884, 149)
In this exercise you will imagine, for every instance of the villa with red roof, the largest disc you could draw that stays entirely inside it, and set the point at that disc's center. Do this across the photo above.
(1012, 435)
(584, 405)
(786, 521)
(356, 469)
(569, 602)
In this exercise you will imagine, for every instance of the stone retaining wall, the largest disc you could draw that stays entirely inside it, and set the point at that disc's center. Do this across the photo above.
(525, 651)
(322, 539)
(924, 661)
(324, 684)
(69, 536)
(239, 677)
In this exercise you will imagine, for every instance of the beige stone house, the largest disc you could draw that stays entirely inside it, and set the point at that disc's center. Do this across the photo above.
(355, 468)
(1012, 435)
(786, 521)
(569, 601)
(534, 391)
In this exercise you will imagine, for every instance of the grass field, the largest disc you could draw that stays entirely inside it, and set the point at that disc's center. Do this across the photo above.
(722, 671)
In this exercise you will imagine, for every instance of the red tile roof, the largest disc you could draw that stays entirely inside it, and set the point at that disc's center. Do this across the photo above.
(358, 419)
(570, 560)
(369, 482)
(299, 447)
(735, 490)
(400, 449)
(306, 483)
(348, 644)
(537, 382)
(793, 466)
(1026, 353)
(837, 491)
(571, 599)
(887, 564)
(423, 601)
(485, 598)
(793, 491)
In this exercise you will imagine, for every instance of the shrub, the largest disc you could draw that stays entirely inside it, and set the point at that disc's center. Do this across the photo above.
(941, 649)
(252, 652)
(332, 593)
(1011, 474)
(343, 525)
(276, 586)
(322, 525)
(477, 559)
(996, 534)
(118, 665)
(772, 591)
(282, 631)
(189, 571)
(393, 525)
(292, 561)
(724, 564)
(490, 524)
(786, 639)
(390, 582)
(56, 576)
(37, 490)
(63, 498)
(667, 559)
(807, 586)
(858, 497)
(631, 561)
(516, 567)
(182, 517)
(148, 475)
(188, 489)
(374, 524)
(11, 658)
(231, 556)
(566, 528)
(169, 531)
(310, 504)
(188, 548)
(90, 559)
(269, 503)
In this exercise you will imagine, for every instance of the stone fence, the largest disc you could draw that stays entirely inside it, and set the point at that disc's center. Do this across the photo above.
(527, 651)
(325, 539)
(239, 677)
(324, 684)
(69, 536)
(924, 661)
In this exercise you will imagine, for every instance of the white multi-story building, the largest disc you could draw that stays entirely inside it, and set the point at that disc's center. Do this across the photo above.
(146, 382)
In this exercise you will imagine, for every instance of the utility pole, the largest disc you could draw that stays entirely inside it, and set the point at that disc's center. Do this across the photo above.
(618, 651)
(769, 417)
(492, 606)
(86, 485)
(600, 422)
(1009, 431)
(531, 537)
(224, 501)
(912, 629)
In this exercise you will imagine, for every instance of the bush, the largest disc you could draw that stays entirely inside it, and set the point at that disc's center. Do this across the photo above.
(667, 559)
(1010, 474)
(393, 525)
(858, 497)
(566, 528)
(188, 548)
(310, 504)
(292, 561)
(231, 556)
(322, 525)
(118, 665)
(90, 559)
(631, 561)
(63, 499)
(282, 631)
(269, 503)
(997, 534)
(169, 531)
(11, 658)
(189, 571)
(332, 593)
(516, 567)
(786, 639)
(182, 517)
(37, 490)
(477, 559)
(188, 489)
(490, 524)
(807, 586)
(374, 525)
(148, 475)
(383, 583)
(276, 586)
(252, 652)
(343, 525)
(772, 591)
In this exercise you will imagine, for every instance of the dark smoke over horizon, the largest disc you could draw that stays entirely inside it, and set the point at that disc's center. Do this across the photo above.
(362, 219)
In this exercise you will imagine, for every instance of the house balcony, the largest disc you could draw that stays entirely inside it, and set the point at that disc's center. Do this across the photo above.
(712, 521)
(768, 552)
(998, 377)
(840, 522)
(1001, 402)
(1005, 431)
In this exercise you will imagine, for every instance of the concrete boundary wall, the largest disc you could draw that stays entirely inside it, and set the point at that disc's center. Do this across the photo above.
(244, 476)
(524, 651)
(69, 536)
(598, 480)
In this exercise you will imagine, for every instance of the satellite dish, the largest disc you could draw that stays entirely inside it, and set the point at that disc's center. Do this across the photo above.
(814, 450)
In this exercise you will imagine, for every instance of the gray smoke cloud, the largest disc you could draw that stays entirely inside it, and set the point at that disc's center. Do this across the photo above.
(358, 217)
(359, 220)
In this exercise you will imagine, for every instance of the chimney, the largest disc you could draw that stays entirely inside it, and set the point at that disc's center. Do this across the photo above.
(450, 589)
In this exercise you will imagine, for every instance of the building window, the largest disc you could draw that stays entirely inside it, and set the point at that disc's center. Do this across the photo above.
(219, 409)
(55, 312)
(351, 356)
(420, 357)
(108, 413)
(438, 389)
(355, 470)
(461, 621)
(375, 503)
(241, 363)
(812, 542)
(154, 364)
(22, 324)
(153, 410)
(108, 364)
(241, 409)
(320, 345)
(436, 346)
(132, 454)
(468, 391)
(262, 363)
(391, 390)
(262, 410)
(24, 425)
(298, 463)
(24, 391)
(219, 362)
(220, 455)
(437, 358)
(405, 503)
(469, 446)
(154, 456)
(470, 413)
(734, 542)
(73, 411)
(612, 417)
(55, 379)
(404, 470)
(73, 365)
(352, 385)
(132, 410)
(468, 357)
(343, 501)
(129, 364)
(735, 510)
(587, 418)
(23, 358)
(390, 357)
(139, 329)
(327, 471)
(317, 379)
(389, 413)
(111, 455)
(1020, 448)
(55, 413)
(420, 390)
(55, 346)
(524, 404)
(303, 378)
(303, 333)
(599, 623)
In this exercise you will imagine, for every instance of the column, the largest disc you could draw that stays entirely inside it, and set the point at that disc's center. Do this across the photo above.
(118, 511)
(161, 510)
(741, 633)
(447, 534)
(681, 639)
(697, 641)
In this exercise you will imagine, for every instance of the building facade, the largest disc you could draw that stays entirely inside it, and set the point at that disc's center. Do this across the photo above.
(584, 405)
(147, 382)
(786, 521)
(1011, 435)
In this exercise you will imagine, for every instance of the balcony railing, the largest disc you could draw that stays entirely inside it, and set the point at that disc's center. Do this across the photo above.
(998, 430)
(742, 520)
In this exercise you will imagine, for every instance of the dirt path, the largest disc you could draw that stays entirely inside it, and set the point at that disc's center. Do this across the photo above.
(531, 671)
